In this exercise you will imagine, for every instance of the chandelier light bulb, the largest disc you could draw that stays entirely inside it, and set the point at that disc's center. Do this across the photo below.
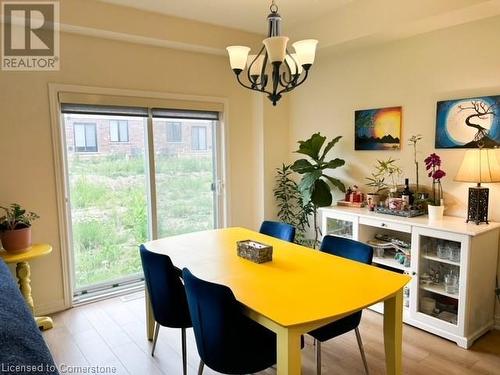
(238, 56)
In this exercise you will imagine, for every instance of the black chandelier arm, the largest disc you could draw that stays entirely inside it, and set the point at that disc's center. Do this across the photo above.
(290, 88)
(250, 87)
(250, 68)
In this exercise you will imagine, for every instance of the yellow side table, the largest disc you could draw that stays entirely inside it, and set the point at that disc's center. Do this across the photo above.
(23, 274)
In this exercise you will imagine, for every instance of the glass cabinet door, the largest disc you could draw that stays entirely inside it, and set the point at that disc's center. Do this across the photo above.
(340, 225)
(439, 294)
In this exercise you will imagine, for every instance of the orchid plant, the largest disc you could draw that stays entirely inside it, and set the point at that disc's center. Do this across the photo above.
(434, 171)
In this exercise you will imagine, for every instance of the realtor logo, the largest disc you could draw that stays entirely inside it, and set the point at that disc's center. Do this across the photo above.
(30, 31)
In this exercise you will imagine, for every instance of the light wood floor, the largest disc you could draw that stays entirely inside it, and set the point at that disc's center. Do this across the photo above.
(112, 333)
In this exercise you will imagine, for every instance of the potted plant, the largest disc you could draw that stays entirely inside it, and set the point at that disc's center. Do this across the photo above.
(413, 141)
(434, 171)
(15, 228)
(378, 184)
(385, 170)
(291, 209)
(315, 183)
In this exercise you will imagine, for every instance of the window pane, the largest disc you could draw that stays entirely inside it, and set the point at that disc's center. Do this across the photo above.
(174, 132)
(90, 136)
(108, 200)
(79, 135)
(123, 131)
(113, 131)
(185, 200)
(199, 138)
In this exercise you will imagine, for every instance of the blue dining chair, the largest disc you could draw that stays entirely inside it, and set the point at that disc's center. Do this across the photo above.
(227, 340)
(167, 296)
(283, 231)
(354, 250)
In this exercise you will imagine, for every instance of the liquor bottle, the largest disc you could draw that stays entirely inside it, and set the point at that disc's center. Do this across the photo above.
(407, 194)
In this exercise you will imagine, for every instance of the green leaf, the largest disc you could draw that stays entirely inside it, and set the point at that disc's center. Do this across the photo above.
(312, 146)
(329, 146)
(335, 163)
(306, 185)
(321, 195)
(302, 166)
(336, 182)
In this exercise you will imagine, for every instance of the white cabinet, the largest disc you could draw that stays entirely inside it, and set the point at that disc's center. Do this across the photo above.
(453, 266)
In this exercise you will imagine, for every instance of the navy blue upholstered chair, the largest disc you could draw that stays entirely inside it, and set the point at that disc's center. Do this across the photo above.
(167, 295)
(353, 250)
(227, 340)
(283, 231)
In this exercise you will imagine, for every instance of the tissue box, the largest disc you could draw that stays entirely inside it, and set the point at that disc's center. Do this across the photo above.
(254, 251)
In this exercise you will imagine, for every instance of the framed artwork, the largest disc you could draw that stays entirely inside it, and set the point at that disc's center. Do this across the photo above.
(377, 129)
(468, 123)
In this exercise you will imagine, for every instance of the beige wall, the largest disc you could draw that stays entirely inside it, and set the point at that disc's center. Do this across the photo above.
(413, 73)
(28, 174)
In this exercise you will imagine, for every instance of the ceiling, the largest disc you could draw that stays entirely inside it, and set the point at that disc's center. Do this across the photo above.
(248, 15)
(339, 25)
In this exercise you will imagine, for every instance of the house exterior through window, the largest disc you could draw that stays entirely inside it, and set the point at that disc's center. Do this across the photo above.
(118, 131)
(85, 137)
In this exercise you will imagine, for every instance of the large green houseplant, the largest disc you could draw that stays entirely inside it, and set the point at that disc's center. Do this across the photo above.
(15, 228)
(315, 185)
(291, 209)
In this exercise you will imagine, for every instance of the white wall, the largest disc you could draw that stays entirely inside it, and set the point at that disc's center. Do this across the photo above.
(414, 73)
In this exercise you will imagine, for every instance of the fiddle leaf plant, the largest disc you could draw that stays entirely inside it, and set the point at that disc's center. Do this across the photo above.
(315, 185)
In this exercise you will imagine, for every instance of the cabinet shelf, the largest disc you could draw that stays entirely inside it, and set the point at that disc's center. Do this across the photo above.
(390, 262)
(438, 289)
(435, 258)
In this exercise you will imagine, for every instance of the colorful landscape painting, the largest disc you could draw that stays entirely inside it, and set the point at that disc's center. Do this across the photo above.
(468, 123)
(377, 129)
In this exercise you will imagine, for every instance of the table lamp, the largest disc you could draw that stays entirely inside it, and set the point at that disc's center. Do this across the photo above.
(479, 165)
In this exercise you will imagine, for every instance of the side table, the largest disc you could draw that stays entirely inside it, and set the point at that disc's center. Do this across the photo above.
(23, 274)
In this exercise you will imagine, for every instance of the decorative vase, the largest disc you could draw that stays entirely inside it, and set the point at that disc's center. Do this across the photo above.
(17, 240)
(435, 212)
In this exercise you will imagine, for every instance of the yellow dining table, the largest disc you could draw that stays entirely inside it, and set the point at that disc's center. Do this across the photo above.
(299, 290)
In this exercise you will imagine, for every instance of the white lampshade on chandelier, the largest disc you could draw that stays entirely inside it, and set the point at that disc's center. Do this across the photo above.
(287, 70)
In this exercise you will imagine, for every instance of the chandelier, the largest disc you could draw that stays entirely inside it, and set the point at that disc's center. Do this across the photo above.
(287, 70)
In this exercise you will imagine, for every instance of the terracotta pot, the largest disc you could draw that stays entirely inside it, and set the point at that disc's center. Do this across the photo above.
(373, 198)
(16, 241)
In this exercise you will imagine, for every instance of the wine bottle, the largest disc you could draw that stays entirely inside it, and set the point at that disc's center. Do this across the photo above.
(407, 194)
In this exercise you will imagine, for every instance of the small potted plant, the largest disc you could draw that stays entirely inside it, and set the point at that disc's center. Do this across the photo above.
(434, 171)
(378, 184)
(15, 228)
(385, 170)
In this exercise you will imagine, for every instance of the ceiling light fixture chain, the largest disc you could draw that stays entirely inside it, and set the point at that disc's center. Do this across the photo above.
(274, 63)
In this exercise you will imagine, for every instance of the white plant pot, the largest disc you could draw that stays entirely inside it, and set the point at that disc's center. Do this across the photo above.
(435, 212)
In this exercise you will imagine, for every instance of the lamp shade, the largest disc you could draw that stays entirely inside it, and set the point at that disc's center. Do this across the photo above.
(276, 48)
(254, 63)
(238, 56)
(306, 50)
(480, 165)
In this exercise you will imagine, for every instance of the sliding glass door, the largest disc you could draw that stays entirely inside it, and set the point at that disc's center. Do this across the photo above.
(135, 174)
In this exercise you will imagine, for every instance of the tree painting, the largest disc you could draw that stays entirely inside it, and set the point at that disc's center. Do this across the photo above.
(377, 129)
(468, 123)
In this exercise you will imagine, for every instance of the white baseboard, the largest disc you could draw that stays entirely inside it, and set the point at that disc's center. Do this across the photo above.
(49, 308)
